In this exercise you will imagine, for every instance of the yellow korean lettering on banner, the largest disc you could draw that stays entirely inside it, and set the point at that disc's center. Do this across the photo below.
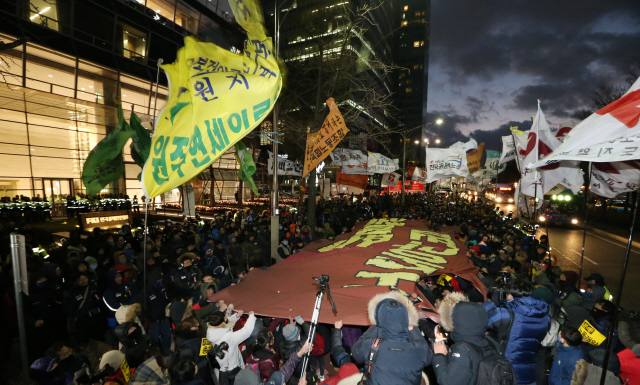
(216, 97)
(320, 144)
(591, 334)
(205, 346)
(126, 370)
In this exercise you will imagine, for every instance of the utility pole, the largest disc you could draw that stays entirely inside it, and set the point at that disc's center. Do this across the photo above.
(275, 218)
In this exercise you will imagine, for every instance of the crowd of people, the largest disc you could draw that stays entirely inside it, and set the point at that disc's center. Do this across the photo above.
(114, 308)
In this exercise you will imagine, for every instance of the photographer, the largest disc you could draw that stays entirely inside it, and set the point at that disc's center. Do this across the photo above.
(519, 325)
(402, 352)
(466, 323)
(220, 329)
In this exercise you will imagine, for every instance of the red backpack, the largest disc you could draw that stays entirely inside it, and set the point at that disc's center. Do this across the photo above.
(318, 346)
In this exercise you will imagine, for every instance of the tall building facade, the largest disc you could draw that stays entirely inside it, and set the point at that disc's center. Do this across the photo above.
(412, 56)
(69, 63)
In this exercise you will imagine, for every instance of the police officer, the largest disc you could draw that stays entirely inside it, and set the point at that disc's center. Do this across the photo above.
(84, 306)
(71, 206)
(186, 276)
(136, 206)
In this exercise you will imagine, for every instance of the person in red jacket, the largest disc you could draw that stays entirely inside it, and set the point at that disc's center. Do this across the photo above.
(630, 365)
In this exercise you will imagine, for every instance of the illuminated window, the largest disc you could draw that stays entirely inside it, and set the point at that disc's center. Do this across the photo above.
(408, 90)
(416, 66)
(403, 24)
(416, 44)
(406, 8)
(44, 13)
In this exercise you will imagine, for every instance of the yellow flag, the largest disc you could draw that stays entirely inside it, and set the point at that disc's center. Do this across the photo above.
(216, 97)
(515, 130)
(321, 143)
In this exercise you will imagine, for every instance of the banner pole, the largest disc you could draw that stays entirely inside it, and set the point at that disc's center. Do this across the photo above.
(619, 296)
(155, 99)
(586, 212)
(144, 256)
(18, 258)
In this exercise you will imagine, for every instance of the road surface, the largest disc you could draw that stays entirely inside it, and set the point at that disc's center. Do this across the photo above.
(604, 254)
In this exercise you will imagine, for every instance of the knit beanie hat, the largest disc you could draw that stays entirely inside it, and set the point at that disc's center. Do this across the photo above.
(290, 332)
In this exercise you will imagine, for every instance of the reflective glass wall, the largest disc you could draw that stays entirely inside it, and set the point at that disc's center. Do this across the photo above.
(54, 109)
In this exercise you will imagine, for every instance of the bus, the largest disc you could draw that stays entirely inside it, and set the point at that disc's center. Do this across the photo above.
(504, 193)
(560, 208)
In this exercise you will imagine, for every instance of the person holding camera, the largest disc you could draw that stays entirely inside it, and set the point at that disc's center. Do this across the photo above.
(519, 325)
(220, 329)
(465, 323)
(393, 350)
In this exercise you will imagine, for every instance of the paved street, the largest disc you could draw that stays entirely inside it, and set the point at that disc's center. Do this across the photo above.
(604, 254)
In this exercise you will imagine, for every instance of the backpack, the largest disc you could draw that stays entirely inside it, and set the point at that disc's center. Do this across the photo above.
(494, 368)
(318, 346)
(255, 368)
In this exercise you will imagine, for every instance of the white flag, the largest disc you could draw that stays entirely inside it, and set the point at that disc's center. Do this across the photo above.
(446, 162)
(380, 164)
(508, 149)
(470, 145)
(390, 179)
(376, 164)
(565, 128)
(346, 157)
(611, 134)
(608, 179)
(418, 174)
(285, 166)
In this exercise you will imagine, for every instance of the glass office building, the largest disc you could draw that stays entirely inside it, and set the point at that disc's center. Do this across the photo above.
(73, 60)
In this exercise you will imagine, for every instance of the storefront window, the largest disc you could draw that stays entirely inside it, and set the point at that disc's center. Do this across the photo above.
(50, 72)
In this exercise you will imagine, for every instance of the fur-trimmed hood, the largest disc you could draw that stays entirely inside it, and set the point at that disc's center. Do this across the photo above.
(580, 373)
(446, 309)
(412, 313)
(392, 313)
(128, 313)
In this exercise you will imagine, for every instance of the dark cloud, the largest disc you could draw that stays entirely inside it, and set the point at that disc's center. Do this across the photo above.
(448, 132)
(493, 138)
(566, 48)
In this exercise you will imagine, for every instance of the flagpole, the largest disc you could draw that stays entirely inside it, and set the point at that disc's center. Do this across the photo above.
(586, 212)
(619, 296)
(519, 170)
(155, 99)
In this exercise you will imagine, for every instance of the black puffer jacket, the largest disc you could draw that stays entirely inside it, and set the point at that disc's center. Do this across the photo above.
(402, 354)
(467, 323)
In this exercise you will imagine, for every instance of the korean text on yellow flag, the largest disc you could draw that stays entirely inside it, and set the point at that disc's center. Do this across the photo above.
(216, 98)
(591, 334)
(320, 144)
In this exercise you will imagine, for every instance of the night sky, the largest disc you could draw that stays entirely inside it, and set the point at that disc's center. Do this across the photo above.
(491, 60)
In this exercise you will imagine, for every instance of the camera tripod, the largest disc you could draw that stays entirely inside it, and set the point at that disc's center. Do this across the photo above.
(323, 281)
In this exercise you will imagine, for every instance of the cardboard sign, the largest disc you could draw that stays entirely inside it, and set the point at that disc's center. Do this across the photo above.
(591, 334)
(126, 371)
(205, 346)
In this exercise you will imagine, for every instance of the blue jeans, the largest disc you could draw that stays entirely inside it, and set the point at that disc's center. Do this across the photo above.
(160, 333)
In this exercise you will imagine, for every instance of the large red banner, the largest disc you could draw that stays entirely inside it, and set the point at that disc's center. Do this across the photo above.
(377, 256)
(410, 186)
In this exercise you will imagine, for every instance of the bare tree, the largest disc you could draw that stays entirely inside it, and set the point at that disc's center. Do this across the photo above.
(361, 86)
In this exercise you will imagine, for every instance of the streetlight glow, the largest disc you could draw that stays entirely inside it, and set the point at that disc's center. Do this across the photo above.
(439, 121)
(426, 140)
(417, 142)
(437, 141)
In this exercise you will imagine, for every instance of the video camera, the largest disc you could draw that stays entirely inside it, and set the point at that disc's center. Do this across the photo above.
(83, 376)
(219, 350)
(322, 280)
